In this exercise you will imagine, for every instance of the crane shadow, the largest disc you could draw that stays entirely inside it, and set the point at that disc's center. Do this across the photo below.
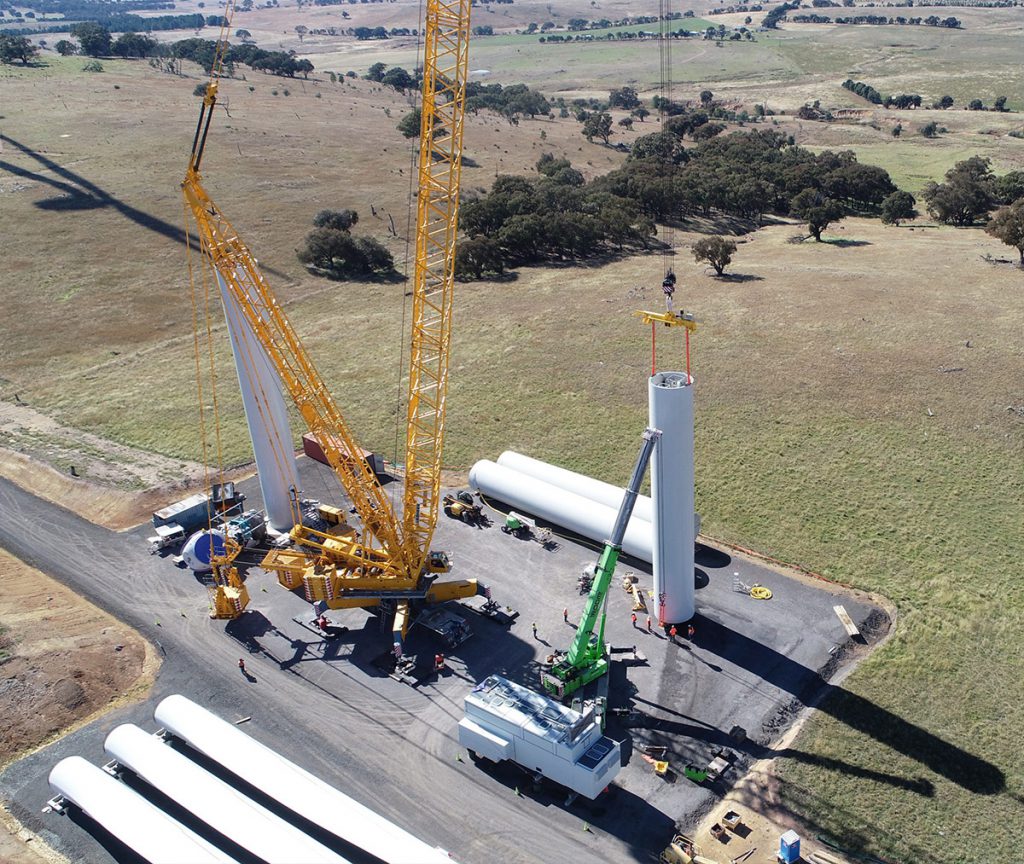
(709, 556)
(863, 839)
(644, 725)
(76, 193)
(811, 687)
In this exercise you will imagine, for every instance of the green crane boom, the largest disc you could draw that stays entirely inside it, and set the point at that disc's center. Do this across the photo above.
(587, 657)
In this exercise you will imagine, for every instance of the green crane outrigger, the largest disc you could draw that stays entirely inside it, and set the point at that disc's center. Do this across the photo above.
(587, 657)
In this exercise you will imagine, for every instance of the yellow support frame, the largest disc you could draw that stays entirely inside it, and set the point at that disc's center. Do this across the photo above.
(669, 319)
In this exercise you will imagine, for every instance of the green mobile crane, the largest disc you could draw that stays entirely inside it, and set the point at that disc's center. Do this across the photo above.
(587, 657)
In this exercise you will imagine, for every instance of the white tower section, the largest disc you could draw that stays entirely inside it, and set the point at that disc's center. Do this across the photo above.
(559, 506)
(266, 417)
(579, 484)
(670, 398)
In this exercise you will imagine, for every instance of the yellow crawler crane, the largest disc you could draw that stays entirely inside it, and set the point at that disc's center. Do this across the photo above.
(392, 560)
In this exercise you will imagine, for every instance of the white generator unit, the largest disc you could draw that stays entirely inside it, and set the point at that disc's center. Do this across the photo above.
(507, 721)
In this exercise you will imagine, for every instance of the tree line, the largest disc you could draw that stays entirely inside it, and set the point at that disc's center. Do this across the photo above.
(930, 21)
(913, 100)
(617, 36)
(85, 9)
(16, 48)
(119, 23)
(553, 216)
(577, 24)
(866, 91)
(95, 40)
(557, 215)
(971, 191)
(774, 16)
(511, 102)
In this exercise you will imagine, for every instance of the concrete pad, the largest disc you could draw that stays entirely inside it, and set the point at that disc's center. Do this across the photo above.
(324, 703)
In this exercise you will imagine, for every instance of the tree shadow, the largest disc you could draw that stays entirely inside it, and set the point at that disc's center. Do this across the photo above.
(506, 277)
(810, 688)
(390, 277)
(719, 223)
(78, 194)
(844, 243)
(739, 277)
(599, 259)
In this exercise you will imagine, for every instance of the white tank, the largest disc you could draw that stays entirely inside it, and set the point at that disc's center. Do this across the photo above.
(266, 417)
(213, 801)
(295, 788)
(548, 502)
(141, 826)
(579, 484)
(670, 396)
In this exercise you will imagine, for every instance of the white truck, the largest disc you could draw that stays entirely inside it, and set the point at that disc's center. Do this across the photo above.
(166, 535)
(505, 720)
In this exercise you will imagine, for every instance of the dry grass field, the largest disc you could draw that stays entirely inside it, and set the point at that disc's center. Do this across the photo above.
(860, 401)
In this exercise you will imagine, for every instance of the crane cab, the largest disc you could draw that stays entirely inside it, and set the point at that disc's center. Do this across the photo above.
(331, 515)
(438, 562)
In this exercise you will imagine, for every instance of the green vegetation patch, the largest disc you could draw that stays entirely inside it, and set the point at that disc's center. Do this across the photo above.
(932, 521)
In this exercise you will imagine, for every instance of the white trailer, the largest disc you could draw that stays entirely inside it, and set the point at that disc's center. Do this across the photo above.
(507, 721)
